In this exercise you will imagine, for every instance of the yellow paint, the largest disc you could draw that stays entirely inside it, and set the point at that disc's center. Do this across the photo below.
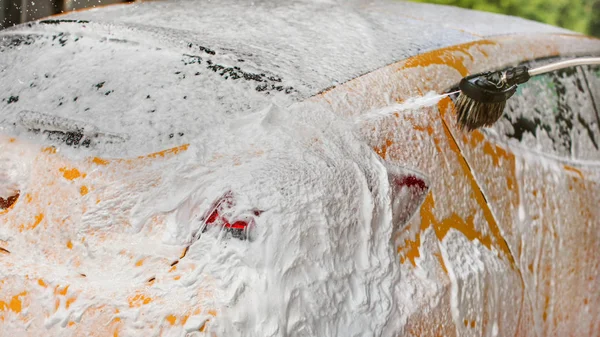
(42, 283)
(161, 154)
(37, 221)
(183, 253)
(139, 263)
(164, 153)
(69, 244)
(441, 228)
(15, 305)
(61, 291)
(382, 150)
(212, 313)
(71, 174)
(83, 190)
(138, 300)
(546, 308)
(171, 319)
(453, 56)
(49, 150)
(100, 161)
(428, 129)
(70, 301)
(499, 156)
(467, 228)
(412, 247)
(574, 170)
(441, 261)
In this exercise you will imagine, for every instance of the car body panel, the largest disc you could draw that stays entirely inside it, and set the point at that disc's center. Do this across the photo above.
(510, 190)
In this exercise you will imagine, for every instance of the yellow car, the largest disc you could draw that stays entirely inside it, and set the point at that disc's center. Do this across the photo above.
(237, 168)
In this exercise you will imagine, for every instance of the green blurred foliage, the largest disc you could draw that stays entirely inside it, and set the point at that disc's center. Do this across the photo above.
(579, 15)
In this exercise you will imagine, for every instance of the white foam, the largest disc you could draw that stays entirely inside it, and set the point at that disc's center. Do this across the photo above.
(412, 104)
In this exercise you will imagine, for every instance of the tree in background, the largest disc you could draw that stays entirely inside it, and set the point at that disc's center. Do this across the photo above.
(578, 15)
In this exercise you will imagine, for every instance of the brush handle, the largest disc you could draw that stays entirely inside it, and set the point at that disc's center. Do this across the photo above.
(517, 75)
(564, 64)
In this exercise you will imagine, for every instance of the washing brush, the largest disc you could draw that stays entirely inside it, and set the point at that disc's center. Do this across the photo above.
(483, 96)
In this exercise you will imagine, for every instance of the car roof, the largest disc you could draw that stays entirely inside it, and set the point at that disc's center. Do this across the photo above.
(146, 76)
(315, 44)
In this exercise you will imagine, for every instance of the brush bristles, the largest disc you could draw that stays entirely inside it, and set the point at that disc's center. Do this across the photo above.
(472, 115)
